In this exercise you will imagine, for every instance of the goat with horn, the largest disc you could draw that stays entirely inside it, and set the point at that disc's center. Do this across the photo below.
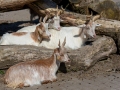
(76, 36)
(36, 72)
(53, 23)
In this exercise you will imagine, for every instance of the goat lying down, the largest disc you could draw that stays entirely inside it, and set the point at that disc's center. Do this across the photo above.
(35, 72)
(26, 38)
(76, 36)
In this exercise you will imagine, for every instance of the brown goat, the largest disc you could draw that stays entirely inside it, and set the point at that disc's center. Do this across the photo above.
(31, 73)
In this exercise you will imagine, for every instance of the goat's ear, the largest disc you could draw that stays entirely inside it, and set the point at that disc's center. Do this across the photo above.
(40, 20)
(63, 44)
(59, 43)
(58, 13)
(80, 31)
(55, 56)
(45, 18)
(39, 29)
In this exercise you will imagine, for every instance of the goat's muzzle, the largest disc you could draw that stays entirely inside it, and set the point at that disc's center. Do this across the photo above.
(59, 28)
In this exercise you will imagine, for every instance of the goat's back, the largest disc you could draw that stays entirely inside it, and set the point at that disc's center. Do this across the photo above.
(28, 28)
(73, 40)
(10, 39)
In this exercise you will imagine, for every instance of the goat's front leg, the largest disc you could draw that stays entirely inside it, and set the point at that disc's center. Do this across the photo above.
(46, 81)
(54, 78)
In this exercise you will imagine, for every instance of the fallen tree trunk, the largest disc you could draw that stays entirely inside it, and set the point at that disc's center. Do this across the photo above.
(82, 58)
(7, 5)
(44, 7)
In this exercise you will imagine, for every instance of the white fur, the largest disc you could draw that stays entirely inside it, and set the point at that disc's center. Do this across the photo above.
(68, 32)
(28, 28)
(9, 39)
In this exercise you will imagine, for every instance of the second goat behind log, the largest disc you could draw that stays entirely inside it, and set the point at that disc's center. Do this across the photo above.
(31, 73)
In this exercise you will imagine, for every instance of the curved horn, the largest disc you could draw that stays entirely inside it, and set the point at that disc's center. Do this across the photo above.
(63, 44)
(96, 17)
(57, 7)
(62, 8)
(45, 18)
(88, 17)
(57, 10)
(58, 13)
(40, 20)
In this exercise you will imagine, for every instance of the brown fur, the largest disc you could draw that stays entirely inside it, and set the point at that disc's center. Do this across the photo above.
(44, 62)
(19, 33)
(35, 35)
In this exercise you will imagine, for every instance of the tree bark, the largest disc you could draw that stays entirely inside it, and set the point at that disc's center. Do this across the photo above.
(7, 5)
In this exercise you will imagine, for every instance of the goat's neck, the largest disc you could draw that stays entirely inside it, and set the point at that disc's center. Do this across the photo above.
(83, 35)
(36, 36)
(54, 60)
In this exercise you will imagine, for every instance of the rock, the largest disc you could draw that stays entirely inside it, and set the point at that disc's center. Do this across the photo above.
(118, 43)
(88, 55)
(110, 28)
(110, 8)
(82, 58)
(114, 62)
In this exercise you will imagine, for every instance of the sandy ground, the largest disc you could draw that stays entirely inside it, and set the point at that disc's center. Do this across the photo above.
(98, 77)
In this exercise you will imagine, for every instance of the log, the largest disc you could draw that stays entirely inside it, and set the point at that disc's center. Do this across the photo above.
(118, 42)
(43, 7)
(7, 5)
(81, 59)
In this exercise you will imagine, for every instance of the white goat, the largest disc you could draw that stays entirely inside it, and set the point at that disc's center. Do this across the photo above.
(26, 38)
(35, 72)
(54, 23)
(74, 41)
